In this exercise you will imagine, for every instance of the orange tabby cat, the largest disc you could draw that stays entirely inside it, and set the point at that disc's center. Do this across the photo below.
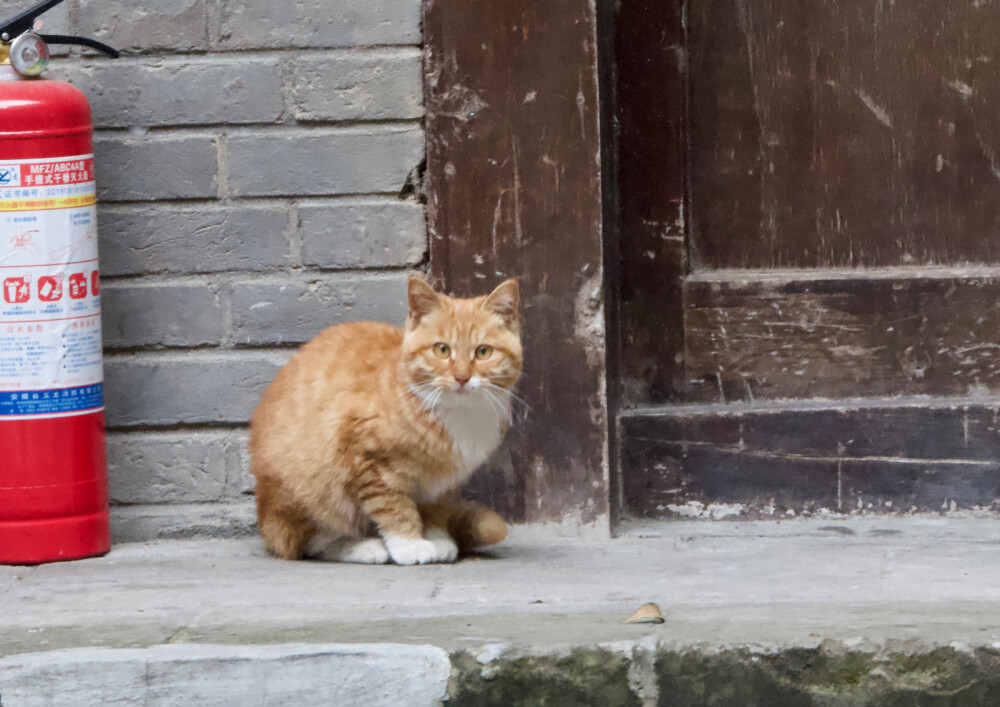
(362, 440)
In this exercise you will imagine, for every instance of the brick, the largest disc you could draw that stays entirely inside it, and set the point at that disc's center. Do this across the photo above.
(371, 85)
(323, 162)
(153, 521)
(178, 25)
(294, 311)
(186, 388)
(176, 467)
(238, 24)
(362, 234)
(141, 168)
(190, 91)
(240, 481)
(168, 238)
(160, 315)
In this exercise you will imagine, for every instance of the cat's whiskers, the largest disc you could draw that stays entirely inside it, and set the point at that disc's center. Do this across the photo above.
(431, 401)
(511, 395)
(500, 403)
(423, 391)
(406, 392)
(496, 406)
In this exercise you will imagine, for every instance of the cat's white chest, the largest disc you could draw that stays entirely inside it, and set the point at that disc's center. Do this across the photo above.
(476, 425)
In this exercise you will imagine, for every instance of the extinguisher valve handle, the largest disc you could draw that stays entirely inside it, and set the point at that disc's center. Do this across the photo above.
(25, 22)
(81, 41)
(9, 29)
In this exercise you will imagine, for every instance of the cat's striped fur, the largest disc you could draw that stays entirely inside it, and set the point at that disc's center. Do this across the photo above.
(362, 440)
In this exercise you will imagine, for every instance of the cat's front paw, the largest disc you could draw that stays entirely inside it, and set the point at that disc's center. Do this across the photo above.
(336, 548)
(369, 551)
(446, 548)
(412, 551)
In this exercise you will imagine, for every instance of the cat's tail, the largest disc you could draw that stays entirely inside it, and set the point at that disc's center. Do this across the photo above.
(471, 524)
(476, 526)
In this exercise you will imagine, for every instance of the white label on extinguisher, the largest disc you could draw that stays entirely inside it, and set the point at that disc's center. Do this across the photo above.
(50, 306)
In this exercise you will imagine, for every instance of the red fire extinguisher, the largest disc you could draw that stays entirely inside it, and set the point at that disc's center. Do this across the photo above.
(53, 471)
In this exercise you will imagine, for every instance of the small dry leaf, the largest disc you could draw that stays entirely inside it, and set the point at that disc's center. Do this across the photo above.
(646, 614)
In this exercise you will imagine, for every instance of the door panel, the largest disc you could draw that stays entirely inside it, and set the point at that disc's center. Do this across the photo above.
(828, 334)
(731, 462)
(823, 334)
(843, 133)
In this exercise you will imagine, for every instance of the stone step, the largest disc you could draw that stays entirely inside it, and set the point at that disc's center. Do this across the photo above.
(830, 611)
(393, 674)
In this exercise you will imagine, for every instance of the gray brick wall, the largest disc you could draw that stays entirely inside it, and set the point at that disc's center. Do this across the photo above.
(250, 156)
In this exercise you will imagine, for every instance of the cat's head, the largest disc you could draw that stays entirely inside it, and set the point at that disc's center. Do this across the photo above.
(462, 346)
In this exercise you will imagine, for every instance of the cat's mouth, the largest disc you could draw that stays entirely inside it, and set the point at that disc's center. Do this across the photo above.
(466, 387)
(466, 394)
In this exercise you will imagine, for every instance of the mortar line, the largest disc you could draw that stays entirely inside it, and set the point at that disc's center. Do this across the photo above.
(300, 275)
(257, 200)
(268, 129)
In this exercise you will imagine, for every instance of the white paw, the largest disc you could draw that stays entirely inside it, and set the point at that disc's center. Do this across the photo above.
(446, 548)
(411, 551)
(369, 551)
(335, 548)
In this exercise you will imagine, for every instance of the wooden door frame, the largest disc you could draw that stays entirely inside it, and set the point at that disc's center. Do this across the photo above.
(529, 106)
(644, 107)
(514, 188)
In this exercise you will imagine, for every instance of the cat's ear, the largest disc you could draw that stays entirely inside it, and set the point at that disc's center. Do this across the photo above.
(423, 298)
(505, 300)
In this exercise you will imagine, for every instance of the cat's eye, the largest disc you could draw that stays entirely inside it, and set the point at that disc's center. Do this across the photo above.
(484, 351)
(441, 350)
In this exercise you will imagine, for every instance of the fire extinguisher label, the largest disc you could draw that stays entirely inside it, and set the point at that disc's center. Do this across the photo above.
(50, 308)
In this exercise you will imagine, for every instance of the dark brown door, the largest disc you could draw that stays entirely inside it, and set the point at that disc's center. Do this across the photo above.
(808, 210)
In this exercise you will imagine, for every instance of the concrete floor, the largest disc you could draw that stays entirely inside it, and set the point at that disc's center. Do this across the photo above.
(766, 584)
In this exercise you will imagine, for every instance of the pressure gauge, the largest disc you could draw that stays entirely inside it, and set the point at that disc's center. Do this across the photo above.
(29, 54)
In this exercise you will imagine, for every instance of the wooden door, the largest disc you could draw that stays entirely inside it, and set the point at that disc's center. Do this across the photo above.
(808, 226)
(513, 187)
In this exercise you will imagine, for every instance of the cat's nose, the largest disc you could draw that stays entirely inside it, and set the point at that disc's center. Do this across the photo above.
(461, 380)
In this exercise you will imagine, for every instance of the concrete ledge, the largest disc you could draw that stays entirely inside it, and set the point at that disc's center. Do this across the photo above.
(385, 674)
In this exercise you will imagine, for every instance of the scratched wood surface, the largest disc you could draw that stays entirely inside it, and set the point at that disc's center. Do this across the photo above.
(823, 336)
(647, 89)
(513, 189)
(841, 237)
(772, 463)
(765, 140)
(859, 133)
